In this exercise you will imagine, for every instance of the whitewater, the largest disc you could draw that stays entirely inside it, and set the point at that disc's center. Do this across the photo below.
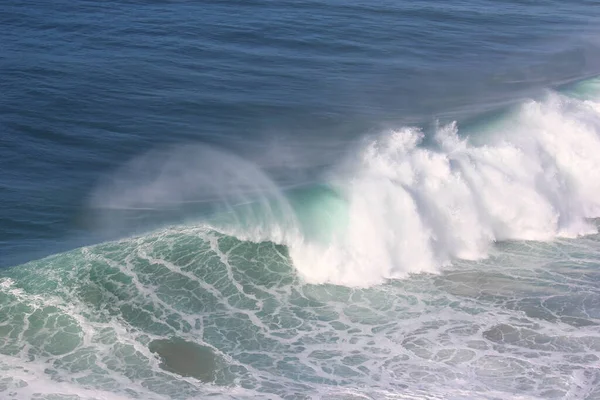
(461, 264)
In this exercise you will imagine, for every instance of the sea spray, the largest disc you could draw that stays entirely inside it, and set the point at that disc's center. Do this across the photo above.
(193, 184)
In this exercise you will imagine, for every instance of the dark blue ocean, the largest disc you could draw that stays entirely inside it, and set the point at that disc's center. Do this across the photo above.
(333, 199)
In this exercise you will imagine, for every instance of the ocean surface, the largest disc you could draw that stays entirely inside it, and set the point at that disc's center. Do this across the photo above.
(337, 199)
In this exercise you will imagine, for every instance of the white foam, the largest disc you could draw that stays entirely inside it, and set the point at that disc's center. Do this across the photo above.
(413, 208)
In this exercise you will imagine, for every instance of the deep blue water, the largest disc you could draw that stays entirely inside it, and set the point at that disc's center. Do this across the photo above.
(335, 198)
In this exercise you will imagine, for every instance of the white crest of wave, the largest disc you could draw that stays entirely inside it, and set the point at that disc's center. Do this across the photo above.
(413, 208)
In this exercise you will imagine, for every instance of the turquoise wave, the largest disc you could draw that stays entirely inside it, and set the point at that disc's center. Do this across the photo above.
(185, 313)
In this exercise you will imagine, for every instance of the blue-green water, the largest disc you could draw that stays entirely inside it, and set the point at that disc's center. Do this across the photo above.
(328, 199)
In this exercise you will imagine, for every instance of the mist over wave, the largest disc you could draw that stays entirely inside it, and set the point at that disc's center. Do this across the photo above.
(193, 184)
(396, 204)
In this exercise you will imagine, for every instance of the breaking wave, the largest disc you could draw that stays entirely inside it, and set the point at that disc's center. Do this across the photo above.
(402, 202)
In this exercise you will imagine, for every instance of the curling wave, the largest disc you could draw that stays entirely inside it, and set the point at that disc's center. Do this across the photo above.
(401, 203)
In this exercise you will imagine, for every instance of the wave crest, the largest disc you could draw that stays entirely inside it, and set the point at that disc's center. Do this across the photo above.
(414, 208)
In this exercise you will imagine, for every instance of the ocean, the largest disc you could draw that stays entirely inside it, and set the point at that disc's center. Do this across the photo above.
(321, 199)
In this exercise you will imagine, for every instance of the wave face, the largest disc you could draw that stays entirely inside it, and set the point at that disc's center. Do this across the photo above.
(83, 325)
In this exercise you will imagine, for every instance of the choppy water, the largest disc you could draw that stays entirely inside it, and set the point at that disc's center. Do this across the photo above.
(328, 199)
